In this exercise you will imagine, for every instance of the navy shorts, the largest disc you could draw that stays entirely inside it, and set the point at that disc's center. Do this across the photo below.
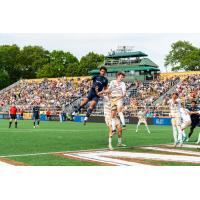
(13, 116)
(92, 96)
(35, 117)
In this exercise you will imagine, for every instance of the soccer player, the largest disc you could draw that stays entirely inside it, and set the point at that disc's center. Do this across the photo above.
(194, 114)
(175, 105)
(198, 141)
(36, 115)
(117, 92)
(13, 115)
(100, 82)
(186, 122)
(142, 119)
(108, 120)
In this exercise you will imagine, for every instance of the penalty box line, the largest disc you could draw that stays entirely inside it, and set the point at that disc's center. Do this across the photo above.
(72, 151)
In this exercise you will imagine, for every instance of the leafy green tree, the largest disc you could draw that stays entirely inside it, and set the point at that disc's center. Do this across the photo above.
(31, 59)
(4, 79)
(89, 62)
(181, 56)
(9, 61)
(73, 70)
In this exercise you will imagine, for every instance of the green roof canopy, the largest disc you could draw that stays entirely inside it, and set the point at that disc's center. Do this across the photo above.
(126, 54)
(127, 69)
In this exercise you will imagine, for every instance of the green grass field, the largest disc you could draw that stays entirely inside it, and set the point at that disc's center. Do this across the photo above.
(53, 136)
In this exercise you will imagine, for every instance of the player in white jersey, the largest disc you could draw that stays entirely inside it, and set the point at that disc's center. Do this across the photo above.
(185, 122)
(142, 120)
(175, 105)
(117, 92)
(108, 120)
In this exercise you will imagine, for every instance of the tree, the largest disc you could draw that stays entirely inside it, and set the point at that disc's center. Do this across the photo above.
(73, 70)
(4, 79)
(89, 62)
(9, 61)
(181, 56)
(31, 59)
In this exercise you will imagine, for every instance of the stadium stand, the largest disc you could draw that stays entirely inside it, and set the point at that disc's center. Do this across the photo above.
(59, 94)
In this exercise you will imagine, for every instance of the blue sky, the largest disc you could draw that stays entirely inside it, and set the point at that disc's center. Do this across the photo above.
(155, 45)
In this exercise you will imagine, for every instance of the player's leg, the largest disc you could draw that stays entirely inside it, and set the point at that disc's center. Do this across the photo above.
(185, 125)
(113, 118)
(34, 120)
(38, 122)
(82, 104)
(121, 114)
(198, 141)
(15, 122)
(147, 127)
(93, 103)
(10, 122)
(193, 125)
(119, 129)
(139, 122)
(175, 134)
(110, 137)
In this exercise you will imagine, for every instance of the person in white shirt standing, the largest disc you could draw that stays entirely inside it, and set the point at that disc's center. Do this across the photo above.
(142, 119)
(117, 92)
(175, 105)
(108, 120)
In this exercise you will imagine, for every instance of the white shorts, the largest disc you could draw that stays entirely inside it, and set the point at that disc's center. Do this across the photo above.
(185, 124)
(176, 121)
(108, 121)
(116, 103)
(142, 121)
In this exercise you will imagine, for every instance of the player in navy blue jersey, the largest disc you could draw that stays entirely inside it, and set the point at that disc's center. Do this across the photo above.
(100, 82)
(36, 115)
(194, 114)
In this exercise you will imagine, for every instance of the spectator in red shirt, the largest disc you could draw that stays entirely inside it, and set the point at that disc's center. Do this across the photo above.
(13, 115)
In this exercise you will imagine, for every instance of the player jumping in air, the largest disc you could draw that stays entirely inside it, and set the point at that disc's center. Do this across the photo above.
(142, 119)
(13, 115)
(175, 105)
(100, 82)
(108, 120)
(117, 92)
(36, 115)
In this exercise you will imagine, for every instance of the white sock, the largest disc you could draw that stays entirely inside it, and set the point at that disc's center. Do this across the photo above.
(174, 133)
(86, 118)
(121, 116)
(113, 124)
(110, 141)
(119, 140)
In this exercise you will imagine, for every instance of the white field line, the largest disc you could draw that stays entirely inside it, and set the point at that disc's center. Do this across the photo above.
(172, 150)
(192, 146)
(115, 154)
(101, 159)
(4, 164)
(54, 152)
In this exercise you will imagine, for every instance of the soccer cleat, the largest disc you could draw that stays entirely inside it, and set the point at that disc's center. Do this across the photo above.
(124, 127)
(110, 147)
(84, 123)
(37, 126)
(121, 145)
(33, 126)
(176, 143)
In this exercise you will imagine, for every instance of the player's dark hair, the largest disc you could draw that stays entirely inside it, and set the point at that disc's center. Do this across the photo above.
(194, 102)
(104, 68)
(175, 93)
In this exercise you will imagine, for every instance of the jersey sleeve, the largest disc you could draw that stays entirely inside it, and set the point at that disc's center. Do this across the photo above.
(94, 78)
(111, 85)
